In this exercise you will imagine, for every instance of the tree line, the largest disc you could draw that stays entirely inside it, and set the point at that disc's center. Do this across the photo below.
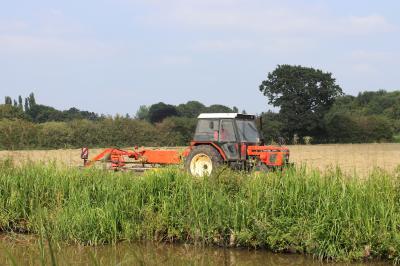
(312, 109)
(365, 118)
(38, 113)
(44, 127)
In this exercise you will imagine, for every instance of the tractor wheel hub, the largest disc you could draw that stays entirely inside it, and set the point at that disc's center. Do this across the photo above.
(201, 165)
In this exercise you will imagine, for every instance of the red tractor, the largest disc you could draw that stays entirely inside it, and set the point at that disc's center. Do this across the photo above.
(220, 139)
(231, 139)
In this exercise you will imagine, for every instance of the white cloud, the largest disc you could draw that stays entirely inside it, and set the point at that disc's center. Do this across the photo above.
(50, 33)
(261, 17)
(362, 25)
(364, 68)
(236, 18)
(223, 45)
(39, 46)
(171, 60)
(263, 46)
(12, 26)
(375, 56)
(372, 62)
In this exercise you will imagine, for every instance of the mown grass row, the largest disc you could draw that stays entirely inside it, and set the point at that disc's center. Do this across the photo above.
(329, 216)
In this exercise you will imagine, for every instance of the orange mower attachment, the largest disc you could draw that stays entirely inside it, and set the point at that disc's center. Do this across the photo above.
(140, 159)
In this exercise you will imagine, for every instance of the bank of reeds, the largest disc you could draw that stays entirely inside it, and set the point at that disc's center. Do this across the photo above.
(330, 216)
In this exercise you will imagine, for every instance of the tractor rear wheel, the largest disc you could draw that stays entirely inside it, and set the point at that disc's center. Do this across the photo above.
(202, 160)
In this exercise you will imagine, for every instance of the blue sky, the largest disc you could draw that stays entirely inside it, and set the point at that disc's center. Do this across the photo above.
(113, 56)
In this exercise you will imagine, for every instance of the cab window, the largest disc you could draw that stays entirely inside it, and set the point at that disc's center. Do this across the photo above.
(207, 130)
(248, 131)
(227, 132)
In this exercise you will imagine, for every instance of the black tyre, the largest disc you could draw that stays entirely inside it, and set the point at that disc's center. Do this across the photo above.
(203, 160)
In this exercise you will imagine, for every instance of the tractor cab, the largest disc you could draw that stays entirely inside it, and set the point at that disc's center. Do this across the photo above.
(230, 138)
(230, 132)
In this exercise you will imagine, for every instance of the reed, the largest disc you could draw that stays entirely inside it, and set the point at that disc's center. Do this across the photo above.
(330, 215)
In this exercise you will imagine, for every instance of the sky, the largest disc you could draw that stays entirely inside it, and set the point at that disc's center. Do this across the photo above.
(111, 56)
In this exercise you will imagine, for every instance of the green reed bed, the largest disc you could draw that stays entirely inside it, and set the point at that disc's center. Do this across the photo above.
(330, 216)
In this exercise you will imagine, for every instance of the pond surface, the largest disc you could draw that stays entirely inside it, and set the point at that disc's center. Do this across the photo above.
(25, 250)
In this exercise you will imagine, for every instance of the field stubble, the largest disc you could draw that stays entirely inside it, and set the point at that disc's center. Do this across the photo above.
(350, 158)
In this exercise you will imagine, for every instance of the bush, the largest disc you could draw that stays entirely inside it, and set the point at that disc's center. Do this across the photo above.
(18, 134)
(85, 133)
(176, 131)
(8, 111)
(343, 127)
(272, 127)
(115, 132)
(124, 132)
(54, 135)
(375, 128)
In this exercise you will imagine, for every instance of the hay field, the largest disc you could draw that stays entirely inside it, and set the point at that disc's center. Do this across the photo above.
(65, 157)
(351, 158)
(68, 157)
(359, 158)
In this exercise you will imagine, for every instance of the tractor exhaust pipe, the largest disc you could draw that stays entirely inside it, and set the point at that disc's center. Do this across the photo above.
(262, 140)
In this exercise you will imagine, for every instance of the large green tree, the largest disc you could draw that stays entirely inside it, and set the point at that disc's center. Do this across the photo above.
(304, 95)
(271, 126)
(42, 113)
(8, 100)
(218, 108)
(142, 113)
(191, 109)
(159, 111)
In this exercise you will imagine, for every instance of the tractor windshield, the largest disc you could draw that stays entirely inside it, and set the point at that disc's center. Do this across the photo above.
(248, 131)
(207, 130)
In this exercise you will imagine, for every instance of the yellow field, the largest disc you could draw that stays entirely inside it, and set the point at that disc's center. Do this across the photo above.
(359, 158)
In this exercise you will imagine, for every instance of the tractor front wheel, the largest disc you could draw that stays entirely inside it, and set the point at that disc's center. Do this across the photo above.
(202, 161)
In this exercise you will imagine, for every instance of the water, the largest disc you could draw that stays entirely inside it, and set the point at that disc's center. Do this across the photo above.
(25, 251)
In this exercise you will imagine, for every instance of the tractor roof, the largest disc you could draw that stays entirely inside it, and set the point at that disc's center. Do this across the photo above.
(225, 115)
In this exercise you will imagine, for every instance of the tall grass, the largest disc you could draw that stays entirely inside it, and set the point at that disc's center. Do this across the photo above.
(330, 216)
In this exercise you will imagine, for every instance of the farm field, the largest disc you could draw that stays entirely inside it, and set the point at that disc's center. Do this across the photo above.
(326, 214)
(351, 158)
